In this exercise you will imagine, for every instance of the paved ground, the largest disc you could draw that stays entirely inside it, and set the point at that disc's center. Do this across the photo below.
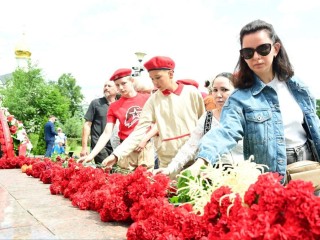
(29, 211)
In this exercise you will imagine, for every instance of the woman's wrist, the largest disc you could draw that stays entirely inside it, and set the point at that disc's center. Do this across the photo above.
(201, 161)
(115, 156)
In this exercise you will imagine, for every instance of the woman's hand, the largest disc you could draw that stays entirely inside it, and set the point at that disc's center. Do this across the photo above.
(196, 167)
(109, 161)
(164, 171)
(84, 159)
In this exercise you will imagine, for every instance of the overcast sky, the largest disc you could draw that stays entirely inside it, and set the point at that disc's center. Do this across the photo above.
(92, 38)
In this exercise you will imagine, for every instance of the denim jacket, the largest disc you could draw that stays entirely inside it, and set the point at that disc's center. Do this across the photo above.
(254, 115)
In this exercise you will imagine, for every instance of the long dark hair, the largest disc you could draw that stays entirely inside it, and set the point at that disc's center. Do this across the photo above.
(280, 65)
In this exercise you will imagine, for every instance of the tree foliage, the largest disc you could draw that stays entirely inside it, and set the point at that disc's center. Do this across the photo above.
(68, 87)
(73, 127)
(32, 99)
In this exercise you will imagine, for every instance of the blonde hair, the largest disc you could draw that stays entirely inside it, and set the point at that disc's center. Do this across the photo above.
(143, 85)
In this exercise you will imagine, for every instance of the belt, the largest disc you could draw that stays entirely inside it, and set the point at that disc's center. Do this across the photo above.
(298, 148)
(174, 138)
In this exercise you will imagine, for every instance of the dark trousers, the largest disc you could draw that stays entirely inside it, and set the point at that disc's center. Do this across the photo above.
(49, 147)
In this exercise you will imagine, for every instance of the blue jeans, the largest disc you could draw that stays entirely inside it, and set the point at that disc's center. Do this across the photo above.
(49, 146)
(58, 149)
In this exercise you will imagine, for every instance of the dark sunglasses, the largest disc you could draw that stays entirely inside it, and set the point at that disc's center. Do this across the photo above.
(263, 50)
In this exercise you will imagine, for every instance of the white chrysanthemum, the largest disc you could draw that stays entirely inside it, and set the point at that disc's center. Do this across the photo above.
(238, 177)
(21, 135)
(29, 146)
(20, 125)
(13, 121)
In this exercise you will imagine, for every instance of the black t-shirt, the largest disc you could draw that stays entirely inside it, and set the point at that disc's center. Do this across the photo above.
(97, 114)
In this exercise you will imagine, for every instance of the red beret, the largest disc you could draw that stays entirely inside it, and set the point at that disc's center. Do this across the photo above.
(120, 73)
(158, 63)
(189, 82)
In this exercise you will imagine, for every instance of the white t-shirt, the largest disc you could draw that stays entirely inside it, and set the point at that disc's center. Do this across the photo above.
(60, 138)
(291, 113)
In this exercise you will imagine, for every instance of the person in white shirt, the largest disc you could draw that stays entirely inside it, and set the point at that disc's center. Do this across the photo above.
(60, 142)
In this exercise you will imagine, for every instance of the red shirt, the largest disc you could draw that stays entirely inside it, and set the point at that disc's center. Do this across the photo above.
(127, 111)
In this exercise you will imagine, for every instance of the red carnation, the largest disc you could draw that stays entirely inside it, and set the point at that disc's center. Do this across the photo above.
(10, 118)
(13, 129)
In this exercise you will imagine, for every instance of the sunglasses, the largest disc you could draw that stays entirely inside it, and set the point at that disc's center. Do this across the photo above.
(263, 50)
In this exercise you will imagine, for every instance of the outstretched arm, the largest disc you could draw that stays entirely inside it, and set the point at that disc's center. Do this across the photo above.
(85, 135)
(152, 132)
(132, 141)
(103, 139)
(188, 151)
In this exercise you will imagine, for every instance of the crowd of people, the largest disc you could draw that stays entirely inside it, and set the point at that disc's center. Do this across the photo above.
(261, 110)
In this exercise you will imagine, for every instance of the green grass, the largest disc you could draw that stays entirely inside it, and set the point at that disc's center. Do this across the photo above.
(76, 151)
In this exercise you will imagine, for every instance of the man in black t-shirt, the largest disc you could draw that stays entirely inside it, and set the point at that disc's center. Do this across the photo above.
(96, 122)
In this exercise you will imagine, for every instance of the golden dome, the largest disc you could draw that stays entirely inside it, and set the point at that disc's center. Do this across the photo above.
(22, 49)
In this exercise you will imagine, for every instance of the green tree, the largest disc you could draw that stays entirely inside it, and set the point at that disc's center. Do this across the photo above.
(31, 99)
(73, 127)
(68, 87)
(19, 95)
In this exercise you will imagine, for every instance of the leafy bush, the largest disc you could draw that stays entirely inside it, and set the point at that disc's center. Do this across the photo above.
(73, 143)
(34, 138)
(73, 127)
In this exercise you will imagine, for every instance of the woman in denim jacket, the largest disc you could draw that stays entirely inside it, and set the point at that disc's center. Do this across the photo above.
(267, 109)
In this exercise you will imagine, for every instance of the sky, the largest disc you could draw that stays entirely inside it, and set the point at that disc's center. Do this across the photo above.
(90, 39)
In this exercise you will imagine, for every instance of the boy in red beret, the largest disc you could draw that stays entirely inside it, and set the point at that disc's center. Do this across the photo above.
(174, 108)
(127, 111)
